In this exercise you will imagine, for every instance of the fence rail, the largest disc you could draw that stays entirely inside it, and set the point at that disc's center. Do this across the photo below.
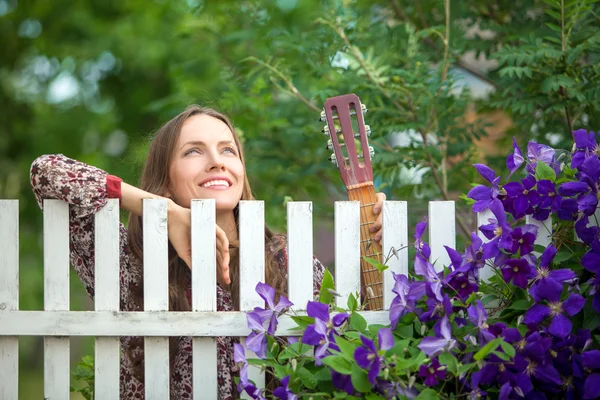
(57, 324)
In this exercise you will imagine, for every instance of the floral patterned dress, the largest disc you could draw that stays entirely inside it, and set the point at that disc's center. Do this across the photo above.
(86, 189)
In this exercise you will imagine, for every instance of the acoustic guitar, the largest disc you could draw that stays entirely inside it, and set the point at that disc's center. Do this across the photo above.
(352, 154)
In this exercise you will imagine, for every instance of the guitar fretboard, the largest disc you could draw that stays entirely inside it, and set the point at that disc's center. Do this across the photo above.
(371, 278)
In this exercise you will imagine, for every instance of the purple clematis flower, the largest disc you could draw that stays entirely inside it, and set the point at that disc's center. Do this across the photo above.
(283, 392)
(545, 276)
(406, 298)
(515, 160)
(560, 326)
(483, 195)
(342, 382)
(585, 144)
(433, 373)
(540, 153)
(478, 317)
(497, 231)
(273, 311)
(422, 247)
(433, 346)
(522, 195)
(521, 239)
(320, 333)
(239, 356)
(517, 270)
(257, 340)
(367, 356)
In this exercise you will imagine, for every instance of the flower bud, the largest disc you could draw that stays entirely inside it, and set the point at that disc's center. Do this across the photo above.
(411, 381)
(294, 363)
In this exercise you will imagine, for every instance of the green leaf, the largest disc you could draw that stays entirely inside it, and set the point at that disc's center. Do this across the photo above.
(561, 257)
(306, 377)
(303, 321)
(380, 267)
(487, 349)
(346, 347)
(501, 355)
(427, 394)
(544, 172)
(352, 303)
(450, 361)
(520, 305)
(360, 380)
(508, 348)
(358, 322)
(405, 331)
(326, 297)
(338, 364)
(462, 368)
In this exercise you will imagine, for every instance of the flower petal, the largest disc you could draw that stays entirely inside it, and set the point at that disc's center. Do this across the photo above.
(592, 386)
(386, 338)
(486, 172)
(573, 304)
(318, 310)
(591, 359)
(239, 353)
(361, 355)
(560, 326)
(267, 293)
(536, 314)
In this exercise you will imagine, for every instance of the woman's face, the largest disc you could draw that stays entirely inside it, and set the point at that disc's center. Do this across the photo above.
(206, 164)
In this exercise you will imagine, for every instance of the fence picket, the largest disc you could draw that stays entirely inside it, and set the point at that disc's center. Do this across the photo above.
(56, 296)
(544, 236)
(395, 234)
(204, 296)
(252, 265)
(156, 281)
(300, 254)
(9, 296)
(442, 231)
(347, 250)
(486, 272)
(107, 350)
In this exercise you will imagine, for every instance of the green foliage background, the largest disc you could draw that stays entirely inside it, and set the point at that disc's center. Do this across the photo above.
(94, 78)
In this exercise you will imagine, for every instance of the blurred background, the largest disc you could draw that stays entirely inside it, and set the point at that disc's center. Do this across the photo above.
(447, 83)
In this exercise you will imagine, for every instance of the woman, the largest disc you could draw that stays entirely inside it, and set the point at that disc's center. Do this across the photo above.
(195, 155)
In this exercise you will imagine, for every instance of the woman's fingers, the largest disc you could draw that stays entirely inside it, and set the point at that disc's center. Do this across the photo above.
(223, 257)
(378, 224)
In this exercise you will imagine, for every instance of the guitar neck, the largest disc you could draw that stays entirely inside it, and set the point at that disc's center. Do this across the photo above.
(371, 278)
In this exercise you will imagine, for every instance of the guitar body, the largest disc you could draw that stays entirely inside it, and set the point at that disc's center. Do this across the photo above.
(352, 155)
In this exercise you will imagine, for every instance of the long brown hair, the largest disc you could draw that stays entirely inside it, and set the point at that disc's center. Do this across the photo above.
(155, 179)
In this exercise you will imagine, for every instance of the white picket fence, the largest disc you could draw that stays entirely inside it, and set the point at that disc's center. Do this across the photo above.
(57, 324)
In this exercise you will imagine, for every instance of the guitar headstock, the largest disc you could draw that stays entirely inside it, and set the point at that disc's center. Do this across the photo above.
(348, 138)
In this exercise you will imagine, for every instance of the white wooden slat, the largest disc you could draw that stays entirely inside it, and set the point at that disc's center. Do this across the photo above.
(486, 272)
(442, 231)
(56, 296)
(156, 296)
(395, 235)
(544, 237)
(347, 250)
(252, 265)
(151, 323)
(107, 350)
(9, 296)
(300, 254)
(204, 296)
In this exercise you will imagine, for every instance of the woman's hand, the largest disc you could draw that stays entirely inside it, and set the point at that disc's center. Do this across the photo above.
(180, 236)
(377, 227)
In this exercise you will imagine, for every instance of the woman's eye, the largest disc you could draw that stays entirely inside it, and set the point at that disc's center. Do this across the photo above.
(230, 149)
(192, 150)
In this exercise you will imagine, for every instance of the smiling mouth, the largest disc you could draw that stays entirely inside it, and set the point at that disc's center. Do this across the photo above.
(216, 184)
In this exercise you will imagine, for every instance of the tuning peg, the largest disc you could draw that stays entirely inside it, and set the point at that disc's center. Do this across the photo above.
(323, 116)
(371, 151)
(367, 132)
(330, 144)
(333, 159)
(325, 131)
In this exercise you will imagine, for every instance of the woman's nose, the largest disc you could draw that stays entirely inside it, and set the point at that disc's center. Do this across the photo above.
(215, 162)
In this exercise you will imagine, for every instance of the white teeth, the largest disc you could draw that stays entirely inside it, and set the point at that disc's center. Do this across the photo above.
(215, 183)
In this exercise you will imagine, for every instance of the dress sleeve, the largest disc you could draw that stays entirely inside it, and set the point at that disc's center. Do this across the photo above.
(86, 189)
